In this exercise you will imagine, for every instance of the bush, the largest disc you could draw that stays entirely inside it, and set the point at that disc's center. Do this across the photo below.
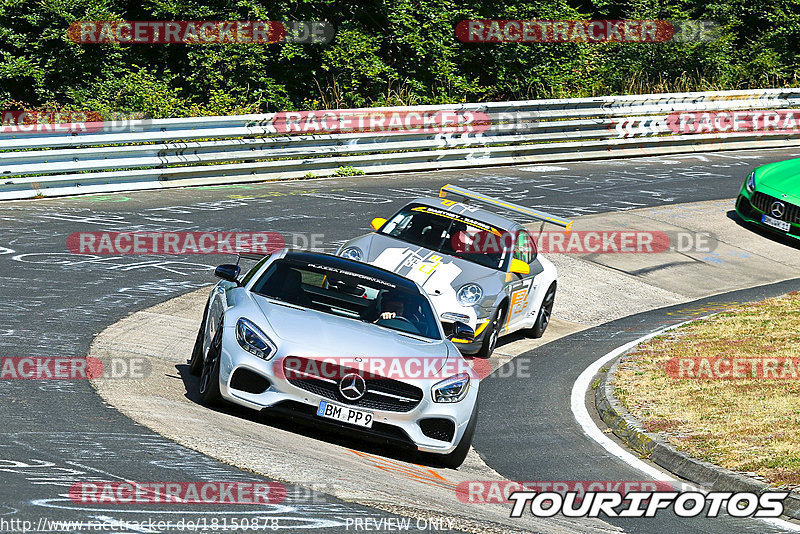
(388, 53)
(348, 171)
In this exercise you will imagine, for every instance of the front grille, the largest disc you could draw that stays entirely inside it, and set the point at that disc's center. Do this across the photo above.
(441, 429)
(763, 203)
(382, 393)
(248, 381)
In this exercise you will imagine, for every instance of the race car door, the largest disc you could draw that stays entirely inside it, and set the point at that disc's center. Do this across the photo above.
(522, 287)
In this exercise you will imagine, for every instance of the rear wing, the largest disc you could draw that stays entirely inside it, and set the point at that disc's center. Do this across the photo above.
(465, 195)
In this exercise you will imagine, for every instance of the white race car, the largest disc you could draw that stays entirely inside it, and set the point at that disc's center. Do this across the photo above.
(477, 267)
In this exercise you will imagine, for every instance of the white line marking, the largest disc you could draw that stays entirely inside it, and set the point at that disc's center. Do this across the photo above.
(543, 168)
(581, 413)
(264, 511)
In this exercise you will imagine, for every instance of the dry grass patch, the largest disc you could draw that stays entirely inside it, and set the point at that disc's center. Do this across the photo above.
(749, 425)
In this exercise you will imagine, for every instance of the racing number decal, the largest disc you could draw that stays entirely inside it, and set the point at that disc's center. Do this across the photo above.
(430, 265)
(410, 261)
(520, 302)
(426, 265)
(433, 272)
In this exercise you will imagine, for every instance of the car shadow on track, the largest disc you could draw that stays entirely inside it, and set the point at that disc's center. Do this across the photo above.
(774, 236)
(304, 428)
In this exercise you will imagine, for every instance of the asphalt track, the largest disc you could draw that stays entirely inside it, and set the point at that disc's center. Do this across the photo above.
(561, 451)
(57, 432)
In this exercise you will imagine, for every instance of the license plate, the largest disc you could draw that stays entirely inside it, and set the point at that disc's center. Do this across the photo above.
(775, 223)
(345, 414)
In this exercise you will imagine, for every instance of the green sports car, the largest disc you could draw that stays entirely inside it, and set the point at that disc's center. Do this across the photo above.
(770, 197)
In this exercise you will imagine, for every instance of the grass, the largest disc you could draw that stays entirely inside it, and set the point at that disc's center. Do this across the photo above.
(348, 171)
(744, 424)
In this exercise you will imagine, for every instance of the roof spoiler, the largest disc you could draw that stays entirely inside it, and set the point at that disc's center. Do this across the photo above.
(465, 195)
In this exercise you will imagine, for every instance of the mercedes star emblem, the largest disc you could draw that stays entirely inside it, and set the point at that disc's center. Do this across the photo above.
(777, 209)
(352, 386)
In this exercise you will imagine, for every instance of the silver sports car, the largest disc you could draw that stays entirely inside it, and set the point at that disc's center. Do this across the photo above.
(334, 341)
(478, 268)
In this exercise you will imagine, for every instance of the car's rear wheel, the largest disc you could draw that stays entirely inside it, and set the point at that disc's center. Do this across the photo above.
(209, 377)
(459, 454)
(492, 333)
(196, 361)
(545, 312)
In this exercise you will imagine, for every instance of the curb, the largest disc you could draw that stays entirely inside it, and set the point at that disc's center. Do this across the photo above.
(654, 448)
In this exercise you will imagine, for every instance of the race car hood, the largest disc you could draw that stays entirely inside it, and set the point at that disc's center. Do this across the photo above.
(780, 178)
(305, 332)
(437, 273)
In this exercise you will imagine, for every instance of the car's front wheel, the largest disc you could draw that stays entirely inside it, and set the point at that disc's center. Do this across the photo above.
(196, 361)
(492, 333)
(459, 454)
(209, 377)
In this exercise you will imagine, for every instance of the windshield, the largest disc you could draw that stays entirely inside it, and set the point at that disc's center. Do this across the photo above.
(348, 294)
(450, 233)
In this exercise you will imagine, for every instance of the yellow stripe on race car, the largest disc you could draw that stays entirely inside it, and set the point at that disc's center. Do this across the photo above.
(542, 216)
(481, 327)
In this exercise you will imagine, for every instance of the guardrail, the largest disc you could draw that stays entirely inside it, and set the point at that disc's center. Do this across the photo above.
(151, 154)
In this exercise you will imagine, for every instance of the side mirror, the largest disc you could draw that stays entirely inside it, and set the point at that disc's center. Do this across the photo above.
(377, 222)
(462, 331)
(519, 267)
(228, 272)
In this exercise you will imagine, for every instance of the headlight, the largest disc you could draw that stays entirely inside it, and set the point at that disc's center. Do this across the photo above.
(352, 253)
(253, 340)
(453, 389)
(750, 185)
(469, 294)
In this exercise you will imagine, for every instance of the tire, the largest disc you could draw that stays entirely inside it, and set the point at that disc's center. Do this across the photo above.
(545, 312)
(456, 458)
(492, 333)
(196, 361)
(209, 377)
